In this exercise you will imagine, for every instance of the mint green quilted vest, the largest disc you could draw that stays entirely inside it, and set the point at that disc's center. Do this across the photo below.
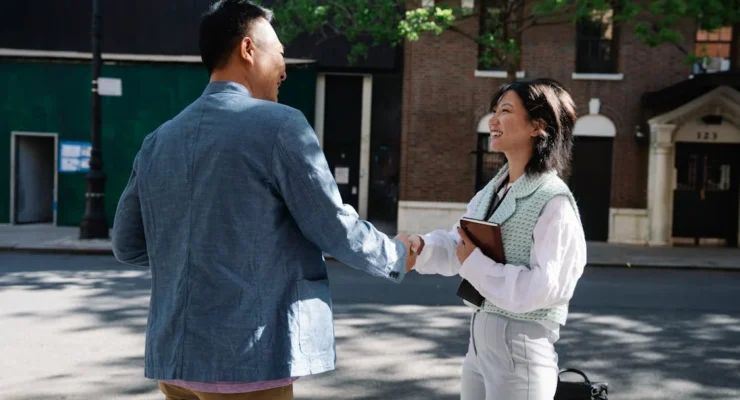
(518, 214)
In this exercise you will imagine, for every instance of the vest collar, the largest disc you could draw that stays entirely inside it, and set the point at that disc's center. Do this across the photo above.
(523, 187)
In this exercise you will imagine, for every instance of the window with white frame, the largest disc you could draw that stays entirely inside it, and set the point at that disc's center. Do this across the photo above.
(714, 47)
(490, 22)
(596, 44)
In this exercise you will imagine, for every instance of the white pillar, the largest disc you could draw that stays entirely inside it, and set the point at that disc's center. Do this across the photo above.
(660, 184)
(367, 108)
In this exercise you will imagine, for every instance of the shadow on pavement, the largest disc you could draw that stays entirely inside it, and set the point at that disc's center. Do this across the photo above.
(407, 341)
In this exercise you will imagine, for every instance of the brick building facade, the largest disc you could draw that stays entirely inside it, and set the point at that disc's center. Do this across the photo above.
(638, 130)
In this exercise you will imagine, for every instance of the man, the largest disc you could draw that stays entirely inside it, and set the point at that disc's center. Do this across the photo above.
(231, 204)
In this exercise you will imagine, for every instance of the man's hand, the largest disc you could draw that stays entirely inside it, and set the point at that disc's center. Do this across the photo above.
(465, 248)
(410, 251)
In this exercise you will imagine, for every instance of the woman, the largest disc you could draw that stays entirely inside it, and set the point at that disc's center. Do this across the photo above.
(511, 354)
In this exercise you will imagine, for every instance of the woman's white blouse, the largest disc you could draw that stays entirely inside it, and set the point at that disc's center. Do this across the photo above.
(557, 259)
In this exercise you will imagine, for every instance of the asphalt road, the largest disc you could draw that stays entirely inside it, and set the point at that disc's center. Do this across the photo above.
(72, 327)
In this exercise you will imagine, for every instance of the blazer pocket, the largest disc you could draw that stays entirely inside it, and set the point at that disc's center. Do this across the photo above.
(315, 317)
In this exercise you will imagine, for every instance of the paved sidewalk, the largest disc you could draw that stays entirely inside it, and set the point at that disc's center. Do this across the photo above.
(618, 255)
(46, 238)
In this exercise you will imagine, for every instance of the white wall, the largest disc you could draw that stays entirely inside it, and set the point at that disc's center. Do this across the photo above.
(426, 216)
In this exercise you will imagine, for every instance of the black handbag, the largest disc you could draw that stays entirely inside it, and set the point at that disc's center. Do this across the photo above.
(585, 390)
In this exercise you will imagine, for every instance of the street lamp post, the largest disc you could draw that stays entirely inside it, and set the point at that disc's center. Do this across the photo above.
(94, 223)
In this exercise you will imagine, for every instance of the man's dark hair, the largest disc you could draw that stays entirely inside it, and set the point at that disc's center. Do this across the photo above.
(549, 103)
(223, 26)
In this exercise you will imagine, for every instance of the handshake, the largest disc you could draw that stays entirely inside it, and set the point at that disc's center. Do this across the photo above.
(414, 246)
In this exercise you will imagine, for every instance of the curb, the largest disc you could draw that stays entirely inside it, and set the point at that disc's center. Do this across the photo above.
(69, 251)
(663, 266)
(329, 257)
(105, 252)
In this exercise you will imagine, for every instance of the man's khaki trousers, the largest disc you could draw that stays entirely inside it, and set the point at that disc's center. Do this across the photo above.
(172, 392)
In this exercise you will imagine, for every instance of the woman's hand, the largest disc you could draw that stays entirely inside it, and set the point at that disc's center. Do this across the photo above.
(465, 248)
(417, 244)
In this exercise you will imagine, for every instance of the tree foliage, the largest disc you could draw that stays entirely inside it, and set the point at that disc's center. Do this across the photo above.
(368, 23)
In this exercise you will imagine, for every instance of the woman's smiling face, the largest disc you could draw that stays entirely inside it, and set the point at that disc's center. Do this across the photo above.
(510, 126)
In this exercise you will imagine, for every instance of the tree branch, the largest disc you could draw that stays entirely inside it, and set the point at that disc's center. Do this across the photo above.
(347, 14)
(324, 35)
(563, 15)
(467, 16)
(459, 31)
(525, 19)
(517, 5)
(679, 47)
(535, 22)
(328, 25)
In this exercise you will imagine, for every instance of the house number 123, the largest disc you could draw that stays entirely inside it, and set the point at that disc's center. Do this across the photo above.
(706, 135)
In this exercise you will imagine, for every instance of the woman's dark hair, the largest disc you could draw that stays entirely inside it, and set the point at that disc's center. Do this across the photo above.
(548, 102)
(223, 26)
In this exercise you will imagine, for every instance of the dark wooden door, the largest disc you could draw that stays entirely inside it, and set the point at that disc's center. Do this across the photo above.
(385, 150)
(705, 200)
(591, 181)
(343, 133)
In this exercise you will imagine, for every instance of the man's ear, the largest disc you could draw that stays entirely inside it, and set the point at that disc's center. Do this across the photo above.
(247, 49)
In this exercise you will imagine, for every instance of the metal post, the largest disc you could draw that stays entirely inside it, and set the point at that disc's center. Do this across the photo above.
(94, 223)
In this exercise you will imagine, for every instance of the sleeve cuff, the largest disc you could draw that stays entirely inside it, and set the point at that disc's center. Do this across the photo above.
(473, 267)
(426, 252)
(398, 269)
